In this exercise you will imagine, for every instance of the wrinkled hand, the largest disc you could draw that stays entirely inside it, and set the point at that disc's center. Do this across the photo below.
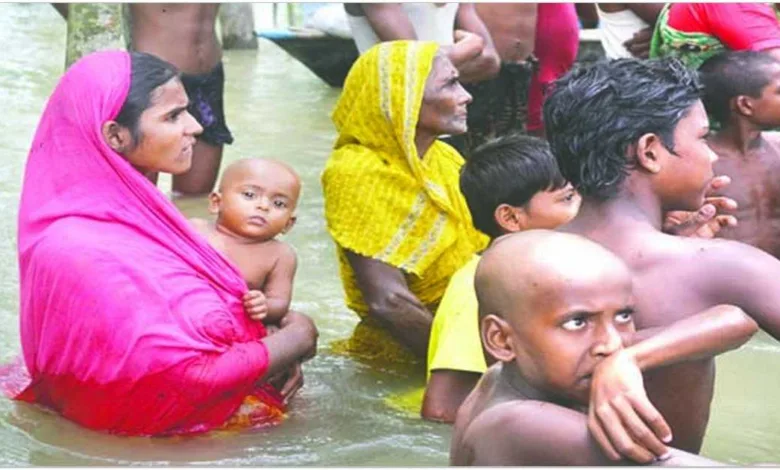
(288, 382)
(639, 44)
(621, 417)
(255, 305)
(708, 220)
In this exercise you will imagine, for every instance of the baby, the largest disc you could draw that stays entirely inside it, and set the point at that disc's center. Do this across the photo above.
(255, 202)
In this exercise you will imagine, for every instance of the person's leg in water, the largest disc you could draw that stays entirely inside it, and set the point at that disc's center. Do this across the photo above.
(184, 34)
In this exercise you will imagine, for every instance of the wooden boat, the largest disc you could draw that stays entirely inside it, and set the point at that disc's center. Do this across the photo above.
(330, 57)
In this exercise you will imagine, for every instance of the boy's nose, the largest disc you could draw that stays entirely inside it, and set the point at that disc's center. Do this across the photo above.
(608, 341)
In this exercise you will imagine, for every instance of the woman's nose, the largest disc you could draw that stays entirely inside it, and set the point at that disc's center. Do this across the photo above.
(193, 126)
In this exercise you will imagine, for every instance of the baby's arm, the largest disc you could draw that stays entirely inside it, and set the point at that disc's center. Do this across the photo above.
(279, 284)
(617, 390)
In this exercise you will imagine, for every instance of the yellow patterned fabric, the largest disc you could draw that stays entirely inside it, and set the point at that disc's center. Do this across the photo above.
(381, 199)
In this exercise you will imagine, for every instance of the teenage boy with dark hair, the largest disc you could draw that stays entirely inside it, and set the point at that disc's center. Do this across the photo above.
(631, 137)
(742, 93)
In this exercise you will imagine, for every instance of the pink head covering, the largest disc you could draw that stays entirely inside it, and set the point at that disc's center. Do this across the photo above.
(130, 321)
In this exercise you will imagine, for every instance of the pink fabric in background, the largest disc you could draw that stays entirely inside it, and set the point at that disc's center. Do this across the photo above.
(557, 42)
(130, 322)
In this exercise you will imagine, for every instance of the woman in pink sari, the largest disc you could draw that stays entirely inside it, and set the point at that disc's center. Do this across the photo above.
(130, 322)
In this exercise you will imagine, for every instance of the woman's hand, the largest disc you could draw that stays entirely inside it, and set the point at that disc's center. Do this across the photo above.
(289, 382)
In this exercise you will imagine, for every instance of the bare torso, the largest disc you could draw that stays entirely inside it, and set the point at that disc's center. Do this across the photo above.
(755, 185)
(512, 27)
(254, 260)
(668, 286)
(181, 33)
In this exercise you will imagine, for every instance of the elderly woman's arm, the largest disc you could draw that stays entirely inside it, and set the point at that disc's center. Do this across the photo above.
(391, 303)
(295, 341)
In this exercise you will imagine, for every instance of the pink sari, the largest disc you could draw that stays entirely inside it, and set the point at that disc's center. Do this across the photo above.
(130, 322)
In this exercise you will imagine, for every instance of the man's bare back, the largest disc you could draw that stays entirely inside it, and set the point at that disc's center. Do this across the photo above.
(756, 188)
(181, 33)
(512, 26)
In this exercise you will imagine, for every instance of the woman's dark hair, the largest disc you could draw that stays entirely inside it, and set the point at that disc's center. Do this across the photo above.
(147, 72)
(595, 115)
(731, 74)
(506, 170)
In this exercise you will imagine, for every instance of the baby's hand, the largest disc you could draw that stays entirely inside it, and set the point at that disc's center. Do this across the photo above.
(255, 305)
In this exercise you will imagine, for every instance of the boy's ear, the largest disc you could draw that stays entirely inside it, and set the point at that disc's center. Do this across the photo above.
(497, 338)
(743, 105)
(510, 218)
(648, 152)
(117, 137)
(289, 225)
(215, 199)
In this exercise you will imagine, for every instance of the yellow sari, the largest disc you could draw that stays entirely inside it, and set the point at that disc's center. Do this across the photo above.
(381, 199)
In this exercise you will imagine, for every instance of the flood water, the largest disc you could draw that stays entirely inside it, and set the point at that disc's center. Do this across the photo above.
(276, 108)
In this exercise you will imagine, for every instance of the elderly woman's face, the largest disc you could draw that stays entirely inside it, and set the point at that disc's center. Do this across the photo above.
(167, 132)
(445, 101)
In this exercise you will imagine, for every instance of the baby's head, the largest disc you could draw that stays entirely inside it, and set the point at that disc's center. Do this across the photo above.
(513, 183)
(553, 305)
(256, 199)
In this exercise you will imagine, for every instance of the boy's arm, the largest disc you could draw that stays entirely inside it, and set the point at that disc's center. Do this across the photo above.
(279, 284)
(445, 392)
(389, 21)
(620, 416)
(538, 433)
(487, 64)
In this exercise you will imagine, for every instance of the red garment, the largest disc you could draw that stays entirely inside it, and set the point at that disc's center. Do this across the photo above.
(130, 321)
(557, 42)
(739, 26)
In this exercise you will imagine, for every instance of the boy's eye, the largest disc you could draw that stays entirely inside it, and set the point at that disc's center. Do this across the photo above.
(624, 317)
(574, 324)
(280, 204)
(248, 194)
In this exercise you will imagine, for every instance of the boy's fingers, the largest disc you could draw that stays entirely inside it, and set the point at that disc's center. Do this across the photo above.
(722, 203)
(719, 182)
(594, 425)
(650, 415)
(641, 434)
(727, 221)
(620, 438)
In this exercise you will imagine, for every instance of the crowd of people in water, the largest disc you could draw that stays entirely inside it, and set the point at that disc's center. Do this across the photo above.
(563, 249)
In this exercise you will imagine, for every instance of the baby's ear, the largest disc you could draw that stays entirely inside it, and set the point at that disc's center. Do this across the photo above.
(290, 224)
(215, 199)
(496, 338)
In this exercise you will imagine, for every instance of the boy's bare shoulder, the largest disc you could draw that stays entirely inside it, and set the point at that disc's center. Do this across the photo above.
(201, 225)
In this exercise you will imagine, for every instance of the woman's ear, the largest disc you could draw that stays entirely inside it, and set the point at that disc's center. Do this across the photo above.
(497, 338)
(510, 219)
(117, 136)
(649, 153)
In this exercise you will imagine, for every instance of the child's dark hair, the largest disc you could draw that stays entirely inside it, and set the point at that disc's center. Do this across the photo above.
(594, 115)
(731, 74)
(507, 170)
(147, 72)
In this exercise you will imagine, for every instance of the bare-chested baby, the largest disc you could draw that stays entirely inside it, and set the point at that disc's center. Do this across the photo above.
(255, 202)
(560, 323)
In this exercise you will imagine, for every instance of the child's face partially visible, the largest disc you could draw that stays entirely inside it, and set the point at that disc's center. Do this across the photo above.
(259, 202)
(766, 108)
(570, 328)
(550, 209)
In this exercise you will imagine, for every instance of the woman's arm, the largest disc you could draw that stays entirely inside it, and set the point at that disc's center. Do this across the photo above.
(617, 390)
(391, 303)
(295, 341)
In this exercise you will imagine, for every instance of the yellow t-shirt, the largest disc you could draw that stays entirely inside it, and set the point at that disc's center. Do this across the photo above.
(455, 342)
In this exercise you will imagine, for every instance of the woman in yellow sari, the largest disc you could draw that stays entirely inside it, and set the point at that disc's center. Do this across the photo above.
(392, 199)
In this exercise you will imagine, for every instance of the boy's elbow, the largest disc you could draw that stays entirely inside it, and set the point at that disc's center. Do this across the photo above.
(739, 322)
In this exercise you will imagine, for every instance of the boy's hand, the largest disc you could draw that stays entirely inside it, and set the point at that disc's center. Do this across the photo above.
(621, 417)
(708, 220)
(468, 46)
(255, 305)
